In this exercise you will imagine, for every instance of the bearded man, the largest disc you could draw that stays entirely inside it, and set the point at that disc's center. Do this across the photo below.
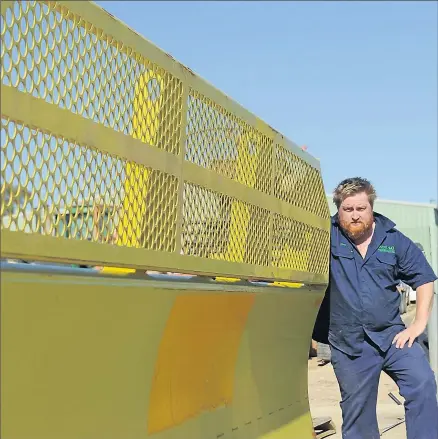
(360, 316)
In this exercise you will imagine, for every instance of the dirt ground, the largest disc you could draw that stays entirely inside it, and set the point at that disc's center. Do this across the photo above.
(324, 397)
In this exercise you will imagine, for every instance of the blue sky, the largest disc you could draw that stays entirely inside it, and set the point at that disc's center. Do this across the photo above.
(354, 81)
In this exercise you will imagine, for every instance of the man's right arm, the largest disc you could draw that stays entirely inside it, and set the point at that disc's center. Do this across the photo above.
(413, 268)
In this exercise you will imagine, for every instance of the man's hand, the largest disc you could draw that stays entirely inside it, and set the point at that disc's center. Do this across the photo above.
(408, 335)
(424, 306)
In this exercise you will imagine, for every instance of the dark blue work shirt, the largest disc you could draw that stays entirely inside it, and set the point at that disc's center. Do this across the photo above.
(362, 297)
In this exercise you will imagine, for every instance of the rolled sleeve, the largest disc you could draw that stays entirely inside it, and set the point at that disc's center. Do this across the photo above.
(414, 269)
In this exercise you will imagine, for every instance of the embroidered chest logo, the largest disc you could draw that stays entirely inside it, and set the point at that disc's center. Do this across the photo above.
(386, 249)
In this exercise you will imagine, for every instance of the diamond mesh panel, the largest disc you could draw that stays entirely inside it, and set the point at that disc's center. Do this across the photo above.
(299, 183)
(53, 186)
(70, 186)
(220, 227)
(218, 140)
(53, 54)
(298, 246)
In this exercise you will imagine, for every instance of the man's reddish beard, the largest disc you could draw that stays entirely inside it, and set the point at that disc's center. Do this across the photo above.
(356, 230)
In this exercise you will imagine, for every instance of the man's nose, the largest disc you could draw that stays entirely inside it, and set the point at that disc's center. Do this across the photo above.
(355, 216)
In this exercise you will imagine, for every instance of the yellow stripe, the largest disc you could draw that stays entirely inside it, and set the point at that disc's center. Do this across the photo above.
(145, 126)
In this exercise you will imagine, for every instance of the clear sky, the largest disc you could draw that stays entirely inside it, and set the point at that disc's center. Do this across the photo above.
(354, 81)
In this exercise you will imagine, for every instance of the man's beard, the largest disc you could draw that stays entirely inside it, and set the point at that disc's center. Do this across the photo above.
(356, 230)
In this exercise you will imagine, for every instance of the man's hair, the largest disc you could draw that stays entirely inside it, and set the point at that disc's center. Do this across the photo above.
(352, 186)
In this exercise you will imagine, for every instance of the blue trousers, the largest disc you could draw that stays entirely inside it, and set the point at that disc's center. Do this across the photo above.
(358, 379)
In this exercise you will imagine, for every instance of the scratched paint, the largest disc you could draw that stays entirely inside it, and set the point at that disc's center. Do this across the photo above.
(197, 356)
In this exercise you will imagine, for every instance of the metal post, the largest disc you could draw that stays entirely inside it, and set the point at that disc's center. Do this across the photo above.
(432, 329)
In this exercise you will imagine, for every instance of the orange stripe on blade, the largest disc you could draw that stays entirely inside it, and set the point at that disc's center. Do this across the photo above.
(197, 356)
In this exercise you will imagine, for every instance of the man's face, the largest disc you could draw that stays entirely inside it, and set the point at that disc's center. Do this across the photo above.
(356, 215)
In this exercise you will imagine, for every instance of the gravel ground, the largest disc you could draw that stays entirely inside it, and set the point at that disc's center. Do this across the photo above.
(324, 396)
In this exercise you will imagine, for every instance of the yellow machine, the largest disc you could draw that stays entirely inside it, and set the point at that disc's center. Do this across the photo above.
(118, 160)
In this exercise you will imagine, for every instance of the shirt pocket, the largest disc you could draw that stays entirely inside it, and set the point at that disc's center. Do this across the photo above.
(343, 265)
(342, 252)
(385, 266)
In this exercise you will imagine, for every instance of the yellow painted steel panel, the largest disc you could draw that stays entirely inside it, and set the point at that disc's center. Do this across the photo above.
(89, 357)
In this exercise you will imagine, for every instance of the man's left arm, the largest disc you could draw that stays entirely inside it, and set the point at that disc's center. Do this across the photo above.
(415, 271)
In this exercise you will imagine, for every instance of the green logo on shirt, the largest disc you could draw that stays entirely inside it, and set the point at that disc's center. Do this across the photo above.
(386, 249)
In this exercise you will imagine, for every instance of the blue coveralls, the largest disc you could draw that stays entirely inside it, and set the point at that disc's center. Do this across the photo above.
(360, 314)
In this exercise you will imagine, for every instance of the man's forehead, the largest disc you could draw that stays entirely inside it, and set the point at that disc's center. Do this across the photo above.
(355, 200)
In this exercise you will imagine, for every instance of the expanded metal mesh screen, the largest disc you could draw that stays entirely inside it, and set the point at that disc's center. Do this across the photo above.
(223, 187)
